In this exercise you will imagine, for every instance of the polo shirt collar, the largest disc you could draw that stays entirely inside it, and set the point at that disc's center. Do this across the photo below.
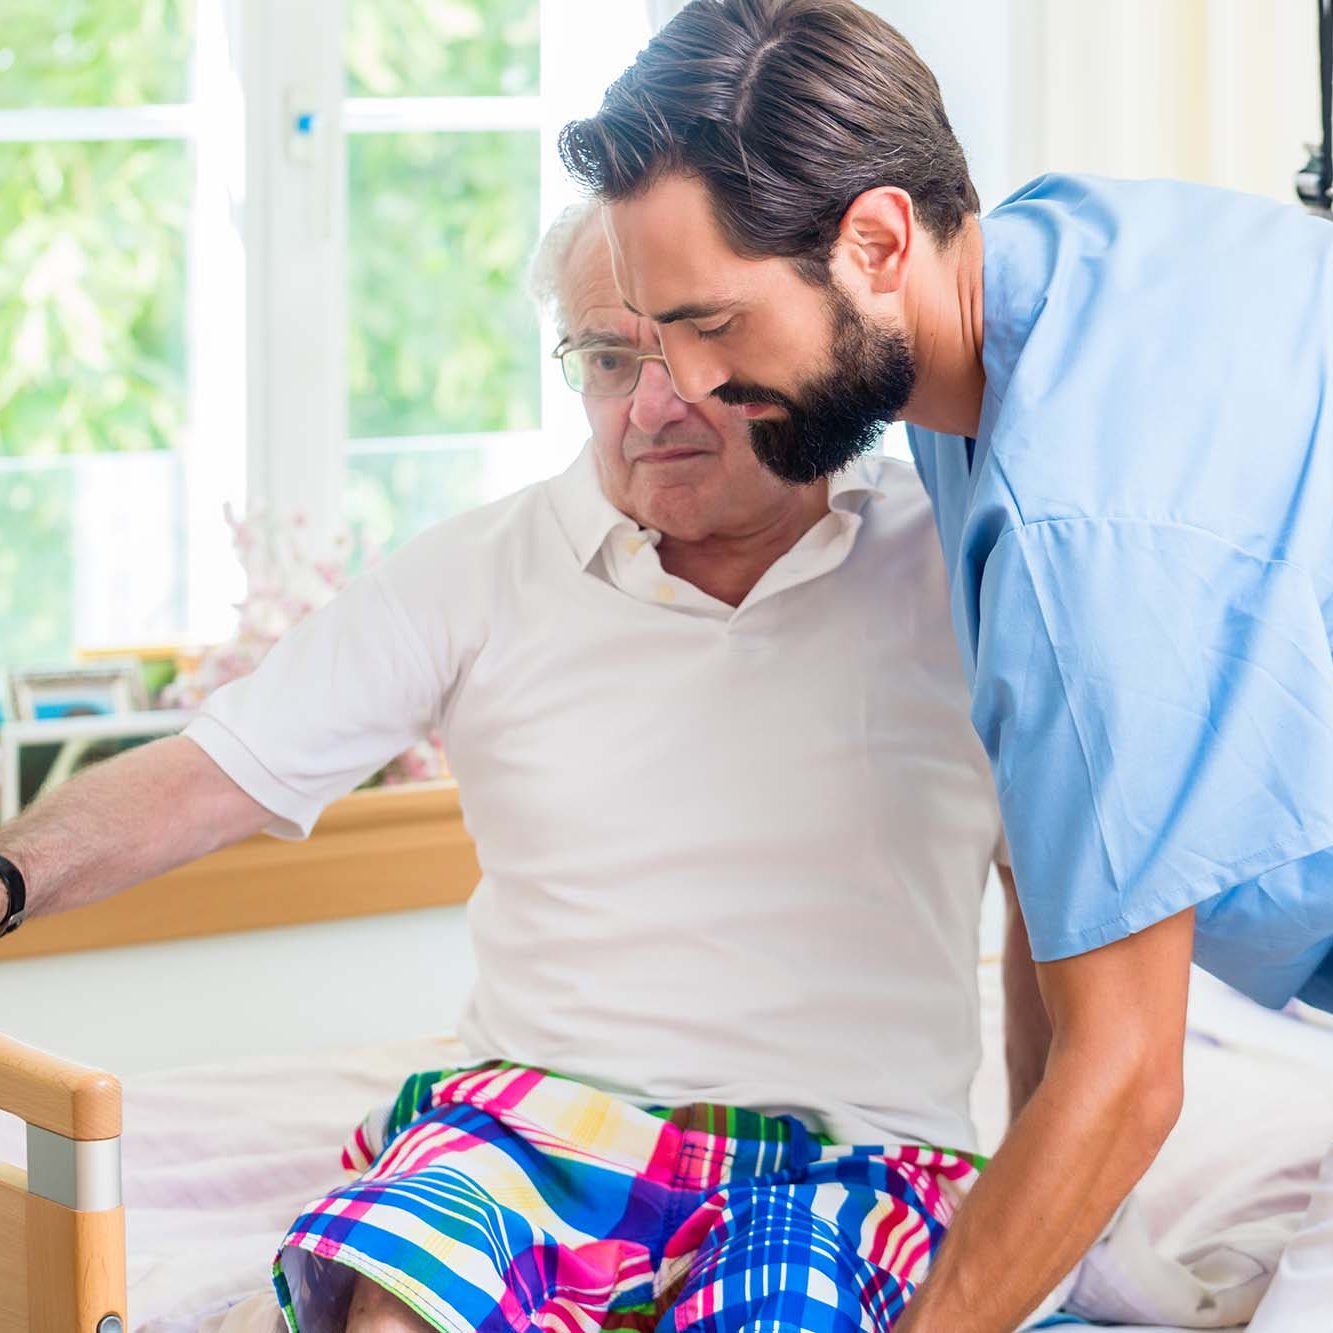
(588, 518)
(849, 489)
(582, 510)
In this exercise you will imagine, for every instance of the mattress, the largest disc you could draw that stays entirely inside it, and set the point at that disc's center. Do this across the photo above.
(218, 1160)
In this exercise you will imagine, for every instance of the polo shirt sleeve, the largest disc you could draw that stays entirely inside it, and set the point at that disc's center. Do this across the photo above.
(1158, 709)
(337, 697)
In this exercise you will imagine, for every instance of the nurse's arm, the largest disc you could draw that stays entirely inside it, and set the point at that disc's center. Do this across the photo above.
(1027, 1028)
(1109, 1096)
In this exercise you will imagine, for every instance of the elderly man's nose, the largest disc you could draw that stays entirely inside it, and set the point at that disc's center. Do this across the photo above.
(656, 403)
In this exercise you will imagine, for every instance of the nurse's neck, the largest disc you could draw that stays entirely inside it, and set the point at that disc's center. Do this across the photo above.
(943, 309)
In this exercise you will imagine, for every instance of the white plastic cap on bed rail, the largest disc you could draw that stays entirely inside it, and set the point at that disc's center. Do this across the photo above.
(77, 1173)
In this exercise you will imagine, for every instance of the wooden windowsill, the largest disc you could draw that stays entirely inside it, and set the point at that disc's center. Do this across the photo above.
(388, 849)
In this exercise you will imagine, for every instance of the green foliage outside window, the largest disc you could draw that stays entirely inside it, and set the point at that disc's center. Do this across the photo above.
(95, 52)
(92, 296)
(441, 335)
(441, 48)
(92, 286)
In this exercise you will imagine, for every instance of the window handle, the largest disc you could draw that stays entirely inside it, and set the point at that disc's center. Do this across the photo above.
(309, 146)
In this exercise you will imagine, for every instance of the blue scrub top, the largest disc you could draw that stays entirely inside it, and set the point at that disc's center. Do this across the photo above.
(1141, 564)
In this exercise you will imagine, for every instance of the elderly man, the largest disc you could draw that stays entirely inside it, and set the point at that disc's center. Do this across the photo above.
(1117, 395)
(734, 830)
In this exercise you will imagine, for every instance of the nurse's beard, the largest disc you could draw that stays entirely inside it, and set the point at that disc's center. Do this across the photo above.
(842, 414)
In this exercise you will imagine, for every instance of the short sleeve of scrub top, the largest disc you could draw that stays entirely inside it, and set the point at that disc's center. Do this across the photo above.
(1154, 743)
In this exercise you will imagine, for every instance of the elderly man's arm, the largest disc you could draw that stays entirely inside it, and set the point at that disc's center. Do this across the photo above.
(1110, 1094)
(126, 820)
(1027, 1027)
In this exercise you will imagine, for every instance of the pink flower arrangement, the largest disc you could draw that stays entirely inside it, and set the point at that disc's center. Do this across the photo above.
(285, 583)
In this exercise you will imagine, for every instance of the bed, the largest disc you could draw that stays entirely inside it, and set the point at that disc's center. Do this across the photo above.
(216, 1161)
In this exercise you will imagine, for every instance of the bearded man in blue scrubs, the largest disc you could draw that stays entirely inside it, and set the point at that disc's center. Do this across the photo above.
(1118, 397)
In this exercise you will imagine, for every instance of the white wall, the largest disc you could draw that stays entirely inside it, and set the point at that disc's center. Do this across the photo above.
(1220, 91)
(269, 992)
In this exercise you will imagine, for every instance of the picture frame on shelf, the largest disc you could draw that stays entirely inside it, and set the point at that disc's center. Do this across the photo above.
(38, 755)
(100, 690)
(158, 663)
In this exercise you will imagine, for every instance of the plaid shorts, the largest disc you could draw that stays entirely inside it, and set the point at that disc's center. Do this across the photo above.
(505, 1198)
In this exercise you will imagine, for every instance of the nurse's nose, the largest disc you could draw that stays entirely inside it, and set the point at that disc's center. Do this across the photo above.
(655, 404)
(695, 370)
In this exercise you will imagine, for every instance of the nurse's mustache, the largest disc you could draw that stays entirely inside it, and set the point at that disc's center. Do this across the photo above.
(735, 395)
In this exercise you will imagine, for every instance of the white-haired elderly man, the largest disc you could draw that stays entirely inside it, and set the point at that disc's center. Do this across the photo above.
(734, 829)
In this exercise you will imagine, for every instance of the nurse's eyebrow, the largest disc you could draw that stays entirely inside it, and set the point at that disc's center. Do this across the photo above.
(679, 312)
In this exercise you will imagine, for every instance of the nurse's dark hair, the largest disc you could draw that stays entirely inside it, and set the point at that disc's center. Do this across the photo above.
(787, 110)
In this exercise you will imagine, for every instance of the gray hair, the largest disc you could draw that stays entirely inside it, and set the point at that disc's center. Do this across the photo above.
(549, 268)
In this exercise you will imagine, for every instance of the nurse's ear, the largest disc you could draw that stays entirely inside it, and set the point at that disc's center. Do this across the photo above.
(875, 240)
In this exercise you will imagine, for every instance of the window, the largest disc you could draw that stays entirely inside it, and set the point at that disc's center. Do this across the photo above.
(443, 119)
(96, 184)
(268, 254)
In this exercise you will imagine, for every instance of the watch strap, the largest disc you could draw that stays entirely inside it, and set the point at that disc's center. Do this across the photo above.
(17, 892)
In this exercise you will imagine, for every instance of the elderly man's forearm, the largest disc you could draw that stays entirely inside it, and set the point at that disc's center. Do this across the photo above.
(1069, 1161)
(126, 820)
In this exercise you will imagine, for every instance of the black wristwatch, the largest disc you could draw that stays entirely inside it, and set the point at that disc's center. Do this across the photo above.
(12, 878)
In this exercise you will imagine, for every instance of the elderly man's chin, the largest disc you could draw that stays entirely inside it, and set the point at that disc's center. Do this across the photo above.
(677, 488)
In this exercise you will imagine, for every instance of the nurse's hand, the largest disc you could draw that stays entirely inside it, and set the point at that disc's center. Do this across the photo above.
(1110, 1094)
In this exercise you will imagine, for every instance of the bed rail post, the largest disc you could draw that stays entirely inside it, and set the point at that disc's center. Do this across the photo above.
(61, 1222)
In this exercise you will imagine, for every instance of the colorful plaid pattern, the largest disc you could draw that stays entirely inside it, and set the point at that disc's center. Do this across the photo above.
(505, 1198)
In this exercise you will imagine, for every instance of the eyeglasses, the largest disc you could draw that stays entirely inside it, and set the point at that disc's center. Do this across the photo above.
(603, 372)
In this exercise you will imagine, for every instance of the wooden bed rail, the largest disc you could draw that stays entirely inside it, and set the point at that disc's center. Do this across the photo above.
(62, 1225)
(69, 1099)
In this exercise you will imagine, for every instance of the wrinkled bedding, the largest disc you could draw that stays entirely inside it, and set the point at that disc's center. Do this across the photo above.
(218, 1160)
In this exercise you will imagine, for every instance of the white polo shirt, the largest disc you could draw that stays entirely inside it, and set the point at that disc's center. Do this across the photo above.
(729, 855)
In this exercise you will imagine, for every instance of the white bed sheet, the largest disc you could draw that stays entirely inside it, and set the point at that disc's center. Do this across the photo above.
(218, 1160)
